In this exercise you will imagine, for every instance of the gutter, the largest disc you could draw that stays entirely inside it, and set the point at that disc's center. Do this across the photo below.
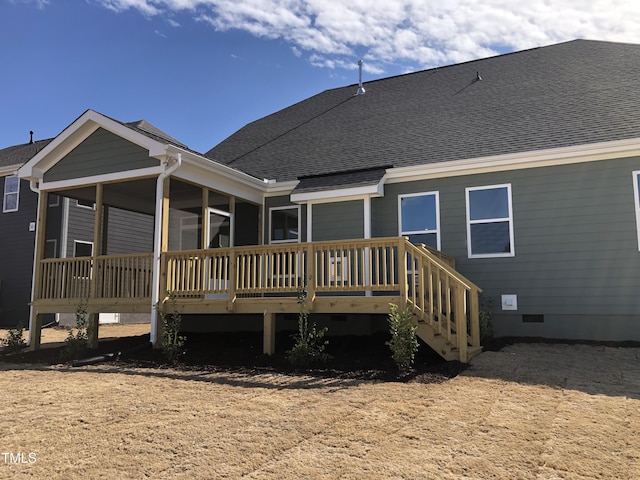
(155, 281)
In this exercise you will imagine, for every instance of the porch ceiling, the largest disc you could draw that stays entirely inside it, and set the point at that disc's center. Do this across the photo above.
(136, 195)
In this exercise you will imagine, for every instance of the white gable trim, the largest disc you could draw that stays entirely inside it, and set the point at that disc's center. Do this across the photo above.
(76, 133)
(517, 161)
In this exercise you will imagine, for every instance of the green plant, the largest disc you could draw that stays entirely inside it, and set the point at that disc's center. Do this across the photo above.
(486, 320)
(14, 341)
(309, 341)
(76, 345)
(171, 342)
(403, 343)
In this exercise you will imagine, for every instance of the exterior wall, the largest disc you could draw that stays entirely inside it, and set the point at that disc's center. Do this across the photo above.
(338, 221)
(16, 257)
(576, 247)
(129, 232)
(101, 153)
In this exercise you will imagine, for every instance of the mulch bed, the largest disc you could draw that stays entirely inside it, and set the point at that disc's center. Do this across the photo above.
(352, 357)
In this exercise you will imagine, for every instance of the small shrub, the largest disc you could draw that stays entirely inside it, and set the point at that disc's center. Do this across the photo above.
(172, 343)
(14, 341)
(310, 343)
(486, 320)
(76, 345)
(403, 343)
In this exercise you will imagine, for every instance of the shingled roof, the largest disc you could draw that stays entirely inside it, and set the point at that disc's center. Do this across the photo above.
(563, 95)
(19, 154)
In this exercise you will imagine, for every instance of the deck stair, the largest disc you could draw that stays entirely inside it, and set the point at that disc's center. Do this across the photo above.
(443, 302)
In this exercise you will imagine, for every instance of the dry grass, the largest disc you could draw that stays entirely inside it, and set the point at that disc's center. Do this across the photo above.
(527, 412)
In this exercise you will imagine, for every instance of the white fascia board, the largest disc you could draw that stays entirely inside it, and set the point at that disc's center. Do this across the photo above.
(105, 178)
(277, 189)
(211, 166)
(9, 170)
(339, 194)
(76, 133)
(517, 161)
(199, 175)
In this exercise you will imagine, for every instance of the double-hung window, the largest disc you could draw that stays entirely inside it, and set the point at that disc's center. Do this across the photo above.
(636, 196)
(419, 218)
(11, 194)
(284, 224)
(490, 221)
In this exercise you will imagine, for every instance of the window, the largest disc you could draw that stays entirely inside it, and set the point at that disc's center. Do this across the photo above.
(419, 218)
(11, 194)
(284, 224)
(636, 195)
(51, 248)
(82, 249)
(54, 200)
(490, 221)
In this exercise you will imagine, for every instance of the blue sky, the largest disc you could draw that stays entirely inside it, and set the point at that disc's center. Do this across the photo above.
(202, 69)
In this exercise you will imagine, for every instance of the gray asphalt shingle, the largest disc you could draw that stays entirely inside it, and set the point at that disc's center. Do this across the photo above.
(573, 93)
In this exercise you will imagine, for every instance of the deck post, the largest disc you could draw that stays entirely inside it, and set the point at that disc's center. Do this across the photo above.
(35, 320)
(474, 317)
(403, 274)
(461, 322)
(311, 275)
(269, 340)
(94, 317)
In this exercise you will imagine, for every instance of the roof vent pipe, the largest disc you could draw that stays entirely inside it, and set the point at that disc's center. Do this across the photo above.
(360, 87)
(31, 140)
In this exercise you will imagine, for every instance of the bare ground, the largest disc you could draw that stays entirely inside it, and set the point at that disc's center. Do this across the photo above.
(529, 411)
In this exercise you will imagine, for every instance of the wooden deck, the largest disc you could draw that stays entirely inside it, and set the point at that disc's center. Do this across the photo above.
(353, 276)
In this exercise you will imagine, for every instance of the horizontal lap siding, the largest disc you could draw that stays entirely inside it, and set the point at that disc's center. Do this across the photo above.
(16, 257)
(576, 245)
(100, 153)
(129, 232)
(338, 221)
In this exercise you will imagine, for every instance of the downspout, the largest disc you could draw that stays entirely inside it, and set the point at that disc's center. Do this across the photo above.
(157, 243)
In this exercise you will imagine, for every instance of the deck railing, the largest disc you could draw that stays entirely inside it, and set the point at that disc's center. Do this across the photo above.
(425, 280)
(82, 278)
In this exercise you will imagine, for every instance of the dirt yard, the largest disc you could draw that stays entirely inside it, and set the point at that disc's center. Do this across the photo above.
(530, 411)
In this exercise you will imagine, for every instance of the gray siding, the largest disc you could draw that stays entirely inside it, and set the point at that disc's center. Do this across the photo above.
(16, 257)
(577, 260)
(338, 221)
(129, 232)
(79, 226)
(101, 153)
(246, 222)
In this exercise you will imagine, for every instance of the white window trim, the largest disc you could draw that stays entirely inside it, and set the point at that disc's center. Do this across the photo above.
(5, 195)
(286, 207)
(57, 200)
(636, 196)
(509, 219)
(78, 204)
(417, 232)
(76, 242)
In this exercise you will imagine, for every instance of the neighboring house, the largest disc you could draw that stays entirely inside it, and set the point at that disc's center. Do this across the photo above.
(520, 173)
(17, 234)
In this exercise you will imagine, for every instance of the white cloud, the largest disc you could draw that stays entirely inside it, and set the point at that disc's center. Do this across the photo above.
(173, 23)
(407, 33)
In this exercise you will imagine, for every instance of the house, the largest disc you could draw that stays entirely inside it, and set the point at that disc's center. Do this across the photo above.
(17, 233)
(516, 174)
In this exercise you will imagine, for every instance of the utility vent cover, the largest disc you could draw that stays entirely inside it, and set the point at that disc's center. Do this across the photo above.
(533, 318)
